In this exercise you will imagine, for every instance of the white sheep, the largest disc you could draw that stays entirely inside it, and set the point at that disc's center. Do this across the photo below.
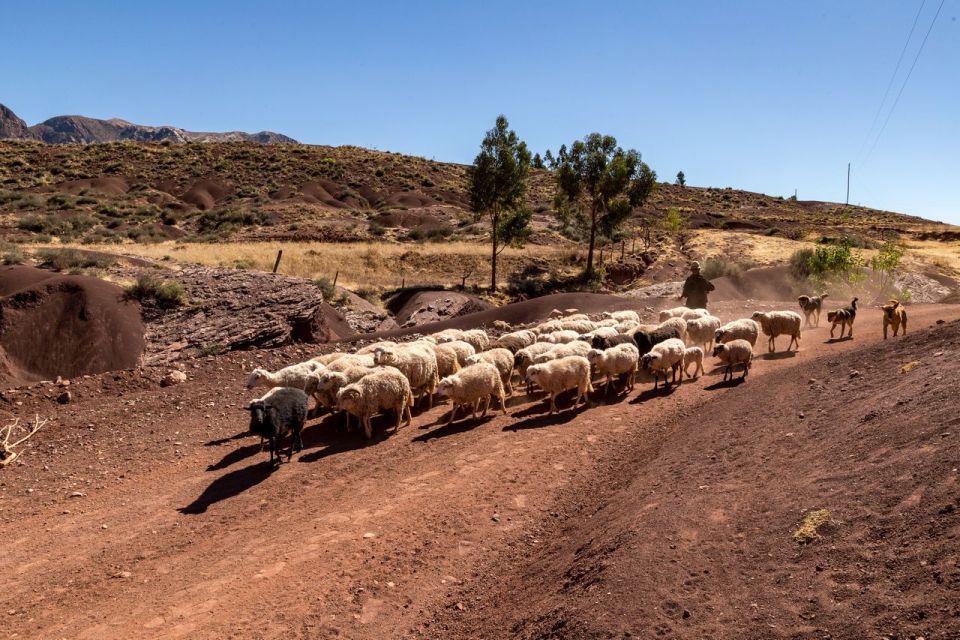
(477, 338)
(779, 323)
(576, 348)
(559, 337)
(463, 349)
(603, 332)
(621, 360)
(679, 323)
(500, 358)
(676, 312)
(448, 335)
(694, 356)
(623, 316)
(524, 358)
(296, 376)
(578, 326)
(448, 360)
(742, 329)
(328, 383)
(690, 314)
(327, 358)
(547, 327)
(702, 331)
(515, 340)
(556, 376)
(352, 360)
(732, 353)
(475, 382)
(628, 327)
(417, 362)
(385, 388)
(370, 348)
(663, 356)
(607, 322)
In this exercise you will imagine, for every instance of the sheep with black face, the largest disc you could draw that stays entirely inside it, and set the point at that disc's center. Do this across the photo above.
(278, 414)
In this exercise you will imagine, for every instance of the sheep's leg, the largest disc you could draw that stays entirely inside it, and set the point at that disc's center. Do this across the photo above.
(553, 404)
(453, 413)
(367, 427)
(503, 404)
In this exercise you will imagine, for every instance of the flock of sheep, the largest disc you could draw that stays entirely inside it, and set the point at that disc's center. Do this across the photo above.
(474, 370)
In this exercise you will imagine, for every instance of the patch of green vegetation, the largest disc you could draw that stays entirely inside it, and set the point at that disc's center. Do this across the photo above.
(72, 259)
(11, 253)
(166, 294)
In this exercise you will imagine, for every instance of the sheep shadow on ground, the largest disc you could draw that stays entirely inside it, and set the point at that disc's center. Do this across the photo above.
(227, 440)
(465, 423)
(835, 340)
(650, 393)
(235, 456)
(330, 433)
(230, 485)
(777, 355)
(604, 398)
(544, 418)
(726, 384)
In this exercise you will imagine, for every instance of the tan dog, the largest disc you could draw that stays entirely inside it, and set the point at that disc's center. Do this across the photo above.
(811, 305)
(894, 315)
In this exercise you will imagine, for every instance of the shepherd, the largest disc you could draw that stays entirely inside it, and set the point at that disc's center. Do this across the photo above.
(696, 288)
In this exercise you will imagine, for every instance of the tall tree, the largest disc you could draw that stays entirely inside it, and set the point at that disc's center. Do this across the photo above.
(681, 179)
(498, 180)
(599, 184)
(537, 161)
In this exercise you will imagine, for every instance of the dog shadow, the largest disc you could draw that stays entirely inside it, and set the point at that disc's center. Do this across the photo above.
(835, 340)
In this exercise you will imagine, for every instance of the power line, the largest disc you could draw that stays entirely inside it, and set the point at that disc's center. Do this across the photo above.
(893, 77)
(905, 80)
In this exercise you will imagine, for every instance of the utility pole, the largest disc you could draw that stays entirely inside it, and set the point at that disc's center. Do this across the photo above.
(848, 183)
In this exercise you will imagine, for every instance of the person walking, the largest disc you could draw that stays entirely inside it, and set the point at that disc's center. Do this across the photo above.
(696, 288)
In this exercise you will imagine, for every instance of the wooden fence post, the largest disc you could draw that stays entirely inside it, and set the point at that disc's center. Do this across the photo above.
(276, 264)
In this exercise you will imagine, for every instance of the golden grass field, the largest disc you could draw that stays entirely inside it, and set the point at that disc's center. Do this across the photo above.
(373, 264)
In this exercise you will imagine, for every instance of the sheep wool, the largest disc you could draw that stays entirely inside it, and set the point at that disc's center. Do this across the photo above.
(732, 353)
(500, 358)
(676, 312)
(621, 360)
(385, 388)
(556, 376)
(282, 411)
(293, 376)
(702, 332)
(779, 323)
(664, 356)
(417, 362)
(743, 329)
(693, 356)
(470, 385)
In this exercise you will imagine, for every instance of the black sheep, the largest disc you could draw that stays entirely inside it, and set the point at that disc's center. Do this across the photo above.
(599, 342)
(646, 339)
(278, 414)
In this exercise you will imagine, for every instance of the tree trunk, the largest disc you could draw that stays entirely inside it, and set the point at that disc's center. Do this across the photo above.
(494, 218)
(593, 239)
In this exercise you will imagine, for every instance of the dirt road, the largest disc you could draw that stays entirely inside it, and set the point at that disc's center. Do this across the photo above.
(144, 512)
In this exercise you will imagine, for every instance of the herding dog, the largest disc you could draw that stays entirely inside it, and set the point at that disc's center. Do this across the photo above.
(894, 315)
(811, 305)
(843, 317)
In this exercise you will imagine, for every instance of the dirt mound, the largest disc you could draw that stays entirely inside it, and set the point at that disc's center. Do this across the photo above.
(693, 535)
(406, 219)
(206, 193)
(53, 325)
(426, 307)
(110, 185)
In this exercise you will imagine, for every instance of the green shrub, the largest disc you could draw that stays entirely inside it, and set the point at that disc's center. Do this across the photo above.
(166, 294)
(722, 267)
(72, 259)
(800, 263)
(11, 253)
(326, 288)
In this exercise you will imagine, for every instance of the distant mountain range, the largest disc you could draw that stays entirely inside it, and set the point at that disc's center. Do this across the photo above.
(83, 130)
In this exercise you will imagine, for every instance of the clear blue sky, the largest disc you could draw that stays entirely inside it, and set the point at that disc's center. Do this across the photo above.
(760, 95)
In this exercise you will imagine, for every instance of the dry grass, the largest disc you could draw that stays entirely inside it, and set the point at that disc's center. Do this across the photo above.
(379, 265)
(808, 531)
(746, 247)
(939, 253)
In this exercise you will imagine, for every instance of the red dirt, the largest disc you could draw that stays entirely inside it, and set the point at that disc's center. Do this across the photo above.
(110, 185)
(664, 503)
(206, 193)
(53, 325)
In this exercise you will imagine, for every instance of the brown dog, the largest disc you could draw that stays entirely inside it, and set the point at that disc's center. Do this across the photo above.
(894, 315)
(843, 317)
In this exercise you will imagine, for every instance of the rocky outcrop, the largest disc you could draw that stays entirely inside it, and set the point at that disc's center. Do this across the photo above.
(12, 126)
(83, 130)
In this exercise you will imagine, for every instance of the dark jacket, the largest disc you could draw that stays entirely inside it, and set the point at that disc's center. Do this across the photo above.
(695, 290)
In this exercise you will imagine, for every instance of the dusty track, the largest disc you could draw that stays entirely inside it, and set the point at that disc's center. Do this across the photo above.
(183, 530)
